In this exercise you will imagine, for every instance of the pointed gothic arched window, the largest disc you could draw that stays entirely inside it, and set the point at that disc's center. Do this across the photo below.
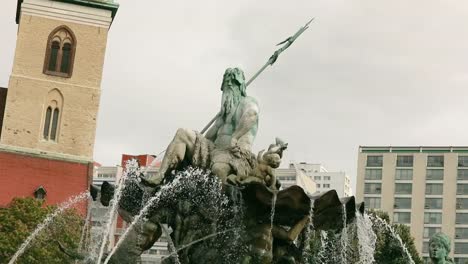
(54, 104)
(60, 52)
(47, 122)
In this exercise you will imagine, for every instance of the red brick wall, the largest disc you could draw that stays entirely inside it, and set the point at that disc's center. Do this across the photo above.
(144, 160)
(21, 175)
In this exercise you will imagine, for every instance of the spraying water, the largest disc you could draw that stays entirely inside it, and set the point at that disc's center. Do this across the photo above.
(323, 243)
(166, 190)
(366, 238)
(272, 216)
(395, 235)
(84, 231)
(111, 214)
(197, 241)
(306, 252)
(137, 218)
(344, 236)
(172, 248)
(65, 205)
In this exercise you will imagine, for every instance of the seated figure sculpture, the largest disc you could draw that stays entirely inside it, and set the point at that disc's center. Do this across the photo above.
(439, 249)
(226, 148)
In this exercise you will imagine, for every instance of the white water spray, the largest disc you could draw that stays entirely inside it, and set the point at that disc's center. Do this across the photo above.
(63, 206)
(366, 238)
(272, 215)
(131, 165)
(166, 190)
(395, 235)
(172, 248)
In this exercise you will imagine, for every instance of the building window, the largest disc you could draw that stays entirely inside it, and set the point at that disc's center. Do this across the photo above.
(461, 248)
(373, 174)
(402, 217)
(462, 175)
(40, 193)
(404, 161)
(326, 178)
(461, 233)
(374, 161)
(425, 247)
(326, 185)
(462, 203)
(318, 185)
(60, 52)
(430, 231)
(435, 174)
(461, 218)
(317, 178)
(51, 123)
(372, 188)
(461, 260)
(462, 189)
(435, 161)
(433, 218)
(404, 174)
(402, 203)
(463, 161)
(433, 203)
(434, 188)
(403, 188)
(372, 202)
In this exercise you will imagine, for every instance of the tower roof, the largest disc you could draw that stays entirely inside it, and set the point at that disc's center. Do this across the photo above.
(102, 4)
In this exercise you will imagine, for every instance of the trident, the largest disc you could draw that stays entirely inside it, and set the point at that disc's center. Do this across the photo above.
(287, 42)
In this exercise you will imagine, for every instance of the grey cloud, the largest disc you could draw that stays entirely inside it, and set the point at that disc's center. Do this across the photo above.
(365, 73)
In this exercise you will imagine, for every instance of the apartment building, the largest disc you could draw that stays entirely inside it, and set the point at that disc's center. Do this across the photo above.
(327, 180)
(425, 188)
(295, 176)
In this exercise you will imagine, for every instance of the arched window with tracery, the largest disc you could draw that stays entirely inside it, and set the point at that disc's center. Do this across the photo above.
(52, 114)
(60, 52)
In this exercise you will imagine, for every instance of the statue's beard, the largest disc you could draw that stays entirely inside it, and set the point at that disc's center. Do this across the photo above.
(230, 100)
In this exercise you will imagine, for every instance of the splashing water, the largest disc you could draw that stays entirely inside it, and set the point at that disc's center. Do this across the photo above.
(197, 241)
(172, 248)
(323, 243)
(62, 207)
(344, 237)
(395, 235)
(84, 231)
(272, 216)
(166, 191)
(306, 252)
(132, 167)
(366, 239)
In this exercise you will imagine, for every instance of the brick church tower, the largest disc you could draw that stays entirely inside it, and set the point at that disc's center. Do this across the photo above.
(50, 107)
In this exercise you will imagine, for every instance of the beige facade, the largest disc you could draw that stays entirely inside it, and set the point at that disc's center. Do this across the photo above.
(295, 176)
(425, 188)
(30, 90)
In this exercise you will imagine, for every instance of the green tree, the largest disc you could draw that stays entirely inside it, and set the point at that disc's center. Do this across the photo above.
(21, 217)
(388, 249)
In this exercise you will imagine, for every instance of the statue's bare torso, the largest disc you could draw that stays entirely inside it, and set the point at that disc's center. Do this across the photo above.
(232, 134)
(240, 130)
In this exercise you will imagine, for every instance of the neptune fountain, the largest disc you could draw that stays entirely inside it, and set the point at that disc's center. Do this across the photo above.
(220, 203)
(216, 200)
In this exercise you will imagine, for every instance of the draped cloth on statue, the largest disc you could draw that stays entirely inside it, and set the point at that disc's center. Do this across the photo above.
(205, 154)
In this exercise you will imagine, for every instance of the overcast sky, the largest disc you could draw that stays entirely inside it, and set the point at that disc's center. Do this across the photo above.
(370, 72)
